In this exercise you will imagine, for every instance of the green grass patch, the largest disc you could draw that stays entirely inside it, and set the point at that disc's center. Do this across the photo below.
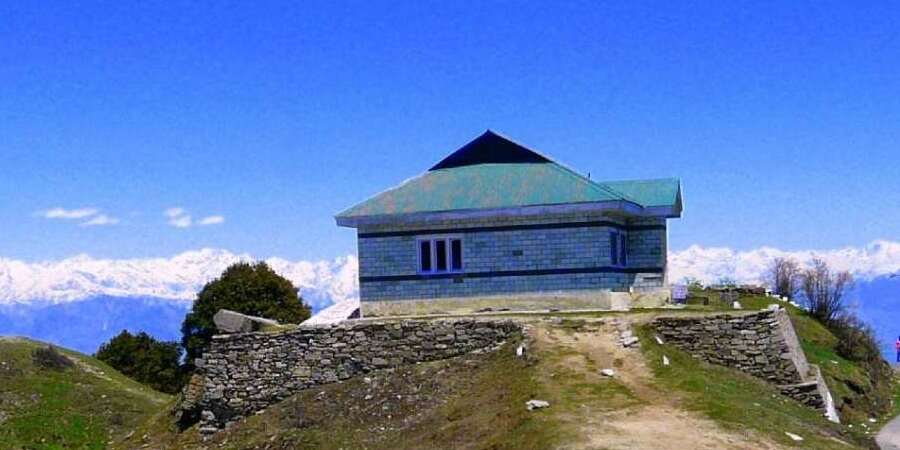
(75, 408)
(738, 401)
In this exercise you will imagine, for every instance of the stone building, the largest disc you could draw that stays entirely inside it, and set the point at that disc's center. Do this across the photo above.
(497, 225)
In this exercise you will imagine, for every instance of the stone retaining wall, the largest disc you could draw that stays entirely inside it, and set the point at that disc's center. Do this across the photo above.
(751, 343)
(244, 373)
(762, 344)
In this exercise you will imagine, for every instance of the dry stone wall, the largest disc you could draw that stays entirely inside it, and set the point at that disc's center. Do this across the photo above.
(244, 373)
(752, 343)
(762, 344)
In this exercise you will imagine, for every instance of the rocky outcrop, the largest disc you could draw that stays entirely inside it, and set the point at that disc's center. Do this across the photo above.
(244, 373)
(234, 322)
(762, 344)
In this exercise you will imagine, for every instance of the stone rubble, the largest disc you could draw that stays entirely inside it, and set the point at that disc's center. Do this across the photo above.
(536, 404)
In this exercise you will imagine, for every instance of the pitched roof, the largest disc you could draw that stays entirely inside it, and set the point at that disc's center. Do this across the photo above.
(659, 192)
(490, 148)
(492, 172)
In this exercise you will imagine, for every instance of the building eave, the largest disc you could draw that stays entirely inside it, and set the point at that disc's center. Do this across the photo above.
(613, 206)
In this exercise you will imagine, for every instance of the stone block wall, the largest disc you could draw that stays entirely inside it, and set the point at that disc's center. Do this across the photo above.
(762, 344)
(244, 373)
(499, 258)
(751, 343)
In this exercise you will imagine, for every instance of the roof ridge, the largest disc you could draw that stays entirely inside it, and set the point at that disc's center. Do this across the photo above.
(592, 183)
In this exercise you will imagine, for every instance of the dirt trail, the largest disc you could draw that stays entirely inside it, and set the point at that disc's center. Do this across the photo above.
(646, 417)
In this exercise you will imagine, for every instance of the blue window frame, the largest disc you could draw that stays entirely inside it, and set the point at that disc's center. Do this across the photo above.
(440, 255)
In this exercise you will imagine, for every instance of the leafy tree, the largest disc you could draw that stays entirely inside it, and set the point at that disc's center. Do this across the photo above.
(145, 359)
(253, 289)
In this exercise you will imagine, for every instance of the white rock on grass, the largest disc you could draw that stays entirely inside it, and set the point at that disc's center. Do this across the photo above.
(736, 305)
(665, 360)
(659, 340)
(628, 342)
(793, 436)
(608, 372)
(536, 404)
(520, 351)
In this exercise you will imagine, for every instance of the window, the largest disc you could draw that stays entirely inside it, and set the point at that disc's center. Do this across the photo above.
(618, 248)
(425, 256)
(440, 255)
(614, 248)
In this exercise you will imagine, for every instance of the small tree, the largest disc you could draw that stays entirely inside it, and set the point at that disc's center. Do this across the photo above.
(253, 289)
(145, 359)
(824, 290)
(784, 277)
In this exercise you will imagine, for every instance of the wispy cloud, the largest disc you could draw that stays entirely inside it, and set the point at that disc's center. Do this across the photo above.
(212, 220)
(68, 214)
(100, 220)
(179, 218)
(173, 212)
(89, 216)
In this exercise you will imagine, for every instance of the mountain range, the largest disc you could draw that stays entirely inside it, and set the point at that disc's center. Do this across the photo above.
(80, 302)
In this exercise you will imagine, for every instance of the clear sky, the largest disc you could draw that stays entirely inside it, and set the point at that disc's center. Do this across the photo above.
(782, 119)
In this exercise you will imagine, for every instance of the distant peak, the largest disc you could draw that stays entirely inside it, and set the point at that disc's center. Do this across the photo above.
(490, 148)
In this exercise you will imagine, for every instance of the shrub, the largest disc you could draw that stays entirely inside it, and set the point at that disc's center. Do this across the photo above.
(49, 358)
(145, 360)
(856, 342)
(253, 289)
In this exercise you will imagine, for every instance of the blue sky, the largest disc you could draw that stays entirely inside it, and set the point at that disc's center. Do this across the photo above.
(782, 119)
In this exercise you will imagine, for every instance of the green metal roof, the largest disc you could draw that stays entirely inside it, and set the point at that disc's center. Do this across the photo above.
(661, 192)
(493, 172)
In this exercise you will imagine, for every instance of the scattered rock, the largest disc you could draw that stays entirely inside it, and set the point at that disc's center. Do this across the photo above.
(536, 404)
(608, 372)
(773, 307)
(520, 351)
(629, 342)
(793, 436)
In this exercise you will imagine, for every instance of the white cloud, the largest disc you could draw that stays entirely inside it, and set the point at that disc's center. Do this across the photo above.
(68, 214)
(173, 212)
(181, 222)
(99, 220)
(179, 218)
(710, 264)
(178, 277)
(212, 220)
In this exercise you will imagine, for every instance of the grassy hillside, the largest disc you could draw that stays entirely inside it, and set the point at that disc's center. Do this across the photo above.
(478, 402)
(80, 407)
(856, 396)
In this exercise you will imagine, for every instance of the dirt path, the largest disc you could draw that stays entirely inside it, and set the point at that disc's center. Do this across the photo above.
(889, 436)
(642, 416)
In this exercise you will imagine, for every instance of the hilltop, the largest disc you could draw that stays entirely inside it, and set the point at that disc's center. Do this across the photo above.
(81, 407)
(478, 400)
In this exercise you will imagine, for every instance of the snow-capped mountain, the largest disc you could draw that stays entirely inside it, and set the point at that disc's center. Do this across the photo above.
(710, 264)
(176, 278)
(80, 302)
